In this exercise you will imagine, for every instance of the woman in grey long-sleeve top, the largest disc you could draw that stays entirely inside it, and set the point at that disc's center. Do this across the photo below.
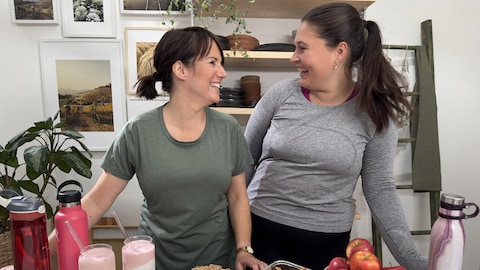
(313, 137)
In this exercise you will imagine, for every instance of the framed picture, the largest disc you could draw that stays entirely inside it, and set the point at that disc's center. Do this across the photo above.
(88, 18)
(34, 12)
(149, 7)
(84, 80)
(140, 45)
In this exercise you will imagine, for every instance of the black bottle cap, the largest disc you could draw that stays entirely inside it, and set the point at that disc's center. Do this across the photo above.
(69, 196)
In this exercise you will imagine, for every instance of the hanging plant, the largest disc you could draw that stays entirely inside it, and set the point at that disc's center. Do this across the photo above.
(206, 11)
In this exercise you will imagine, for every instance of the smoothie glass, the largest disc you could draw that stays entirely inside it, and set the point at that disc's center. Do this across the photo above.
(97, 256)
(138, 253)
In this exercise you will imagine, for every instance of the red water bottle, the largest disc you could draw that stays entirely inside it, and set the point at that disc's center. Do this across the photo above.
(29, 229)
(71, 210)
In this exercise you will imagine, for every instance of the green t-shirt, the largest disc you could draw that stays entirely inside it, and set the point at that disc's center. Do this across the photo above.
(185, 184)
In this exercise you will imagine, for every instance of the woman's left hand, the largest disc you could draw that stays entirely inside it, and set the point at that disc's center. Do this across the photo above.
(246, 260)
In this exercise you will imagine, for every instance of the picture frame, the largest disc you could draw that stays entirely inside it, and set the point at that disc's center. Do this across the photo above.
(149, 7)
(89, 18)
(84, 79)
(139, 46)
(41, 12)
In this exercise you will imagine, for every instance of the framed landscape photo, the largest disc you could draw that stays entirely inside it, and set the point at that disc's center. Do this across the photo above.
(34, 11)
(140, 45)
(88, 18)
(84, 80)
(151, 7)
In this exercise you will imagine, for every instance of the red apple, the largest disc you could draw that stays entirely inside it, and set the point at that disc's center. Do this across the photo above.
(364, 260)
(358, 244)
(338, 263)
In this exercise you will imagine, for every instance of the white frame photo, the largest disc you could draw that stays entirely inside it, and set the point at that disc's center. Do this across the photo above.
(89, 28)
(125, 10)
(29, 8)
(133, 36)
(88, 51)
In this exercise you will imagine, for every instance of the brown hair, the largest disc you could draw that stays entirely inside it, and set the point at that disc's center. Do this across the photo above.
(186, 45)
(380, 84)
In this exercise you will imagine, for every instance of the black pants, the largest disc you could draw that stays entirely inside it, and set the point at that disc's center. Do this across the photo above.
(272, 241)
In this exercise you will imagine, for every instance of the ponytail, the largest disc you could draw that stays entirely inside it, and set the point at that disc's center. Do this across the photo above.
(381, 95)
(146, 87)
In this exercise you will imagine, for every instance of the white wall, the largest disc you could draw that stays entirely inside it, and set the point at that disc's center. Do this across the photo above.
(456, 39)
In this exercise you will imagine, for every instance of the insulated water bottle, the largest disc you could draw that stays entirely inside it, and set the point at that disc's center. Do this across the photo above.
(447, 238)
(71, 210)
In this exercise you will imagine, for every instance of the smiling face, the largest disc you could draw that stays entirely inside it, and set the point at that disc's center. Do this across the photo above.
(313, 59)
(206, 77)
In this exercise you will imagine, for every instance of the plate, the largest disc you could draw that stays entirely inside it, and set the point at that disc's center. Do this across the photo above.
(279, 47)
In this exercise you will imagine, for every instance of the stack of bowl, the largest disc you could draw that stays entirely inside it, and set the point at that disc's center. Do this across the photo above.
(231, 97)
(251, 85)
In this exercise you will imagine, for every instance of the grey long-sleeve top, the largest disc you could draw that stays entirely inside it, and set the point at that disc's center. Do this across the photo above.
(308, 159)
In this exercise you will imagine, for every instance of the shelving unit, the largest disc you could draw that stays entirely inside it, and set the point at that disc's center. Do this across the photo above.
(258, 59)
(234, 110)
(286, 9)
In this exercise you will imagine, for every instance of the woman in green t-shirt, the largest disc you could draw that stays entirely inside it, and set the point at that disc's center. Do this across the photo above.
(190, 161)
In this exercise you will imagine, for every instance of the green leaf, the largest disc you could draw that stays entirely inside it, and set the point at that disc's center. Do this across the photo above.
(32, 174)
(72, 134)
(29, 185)
(77, 164)
(86, 160)
(61, 163)
(59, 125)
(48, 209)
(19, 140)
(10, 184)
(9, 158)
(35, 157)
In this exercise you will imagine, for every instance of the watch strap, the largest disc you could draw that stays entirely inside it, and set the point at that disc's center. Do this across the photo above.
(246, 249)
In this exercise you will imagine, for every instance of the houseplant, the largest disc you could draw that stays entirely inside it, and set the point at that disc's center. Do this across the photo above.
(206, 10)
(47, 149)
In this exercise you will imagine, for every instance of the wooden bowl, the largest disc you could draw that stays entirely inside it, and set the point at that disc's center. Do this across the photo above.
(242, 42)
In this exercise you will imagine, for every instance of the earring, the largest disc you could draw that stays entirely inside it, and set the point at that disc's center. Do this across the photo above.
(336, 64)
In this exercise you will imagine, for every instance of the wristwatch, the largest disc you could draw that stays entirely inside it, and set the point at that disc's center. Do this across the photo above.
(248, 249)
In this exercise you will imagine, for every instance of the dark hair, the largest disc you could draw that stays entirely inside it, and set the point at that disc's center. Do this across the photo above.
(380, 84)
(187, 45)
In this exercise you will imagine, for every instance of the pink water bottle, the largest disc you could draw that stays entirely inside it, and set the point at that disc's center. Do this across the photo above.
(447, 238)
(71, 210)
(29, 229)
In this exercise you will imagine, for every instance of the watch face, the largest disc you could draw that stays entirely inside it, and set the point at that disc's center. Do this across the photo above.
(250, 250)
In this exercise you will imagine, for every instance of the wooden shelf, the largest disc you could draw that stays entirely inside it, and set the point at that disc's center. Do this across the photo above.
(234, 110)
(292, 9)
(258, 59)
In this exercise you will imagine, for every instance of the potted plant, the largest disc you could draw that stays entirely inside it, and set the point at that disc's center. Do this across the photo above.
(205, 10)
(47, 149)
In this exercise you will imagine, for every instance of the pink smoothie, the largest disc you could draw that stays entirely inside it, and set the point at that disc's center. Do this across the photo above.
(138, 255)
(97, 257)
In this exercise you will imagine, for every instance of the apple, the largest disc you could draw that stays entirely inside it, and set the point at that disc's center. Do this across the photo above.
(338, 263)
(358, 244)
(364, 260)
